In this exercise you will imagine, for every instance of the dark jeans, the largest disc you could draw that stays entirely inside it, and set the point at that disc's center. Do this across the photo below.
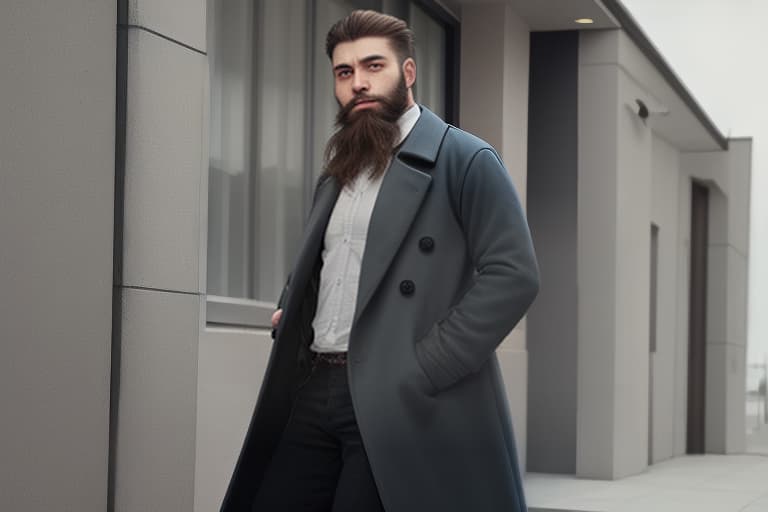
(320, 464)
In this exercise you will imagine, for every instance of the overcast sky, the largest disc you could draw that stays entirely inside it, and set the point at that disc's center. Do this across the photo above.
(718, 48)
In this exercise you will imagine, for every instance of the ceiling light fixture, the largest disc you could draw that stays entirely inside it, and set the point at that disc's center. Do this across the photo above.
(584, 21)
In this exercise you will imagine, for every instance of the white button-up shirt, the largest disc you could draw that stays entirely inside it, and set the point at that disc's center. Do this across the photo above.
(343, 249)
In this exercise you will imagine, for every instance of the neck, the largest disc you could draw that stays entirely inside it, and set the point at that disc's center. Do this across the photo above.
(411, 101)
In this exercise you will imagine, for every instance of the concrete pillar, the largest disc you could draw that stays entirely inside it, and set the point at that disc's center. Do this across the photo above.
(57, 149)
(162, 281)
(614, 263)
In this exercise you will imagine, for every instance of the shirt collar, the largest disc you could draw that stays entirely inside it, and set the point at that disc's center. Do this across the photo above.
(407, 121)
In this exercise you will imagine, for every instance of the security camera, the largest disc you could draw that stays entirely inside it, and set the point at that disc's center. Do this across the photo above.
(642, 109)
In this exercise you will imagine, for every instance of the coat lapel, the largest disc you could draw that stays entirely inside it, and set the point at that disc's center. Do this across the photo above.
(402, 192)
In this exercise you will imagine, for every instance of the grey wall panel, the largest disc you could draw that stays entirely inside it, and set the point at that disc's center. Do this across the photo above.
(717, 288)
(232, 365)
(155, 445)
(740, 174)
(725, 418)
(164, 147)
(182, 20)
(597, 205)
(57, 104)
(727, 173)
(614, 217)
(552, 214)
(664, 214)
(632, 284)
(683, 311)
(482, 50)
(737, 293)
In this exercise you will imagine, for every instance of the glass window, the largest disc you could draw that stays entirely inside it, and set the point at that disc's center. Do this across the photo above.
(256, 181)
(272, 110)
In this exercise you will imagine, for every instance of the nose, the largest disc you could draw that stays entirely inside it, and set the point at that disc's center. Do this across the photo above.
(360, 83)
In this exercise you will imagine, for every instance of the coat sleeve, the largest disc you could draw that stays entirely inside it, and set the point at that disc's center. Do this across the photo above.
(506, 278)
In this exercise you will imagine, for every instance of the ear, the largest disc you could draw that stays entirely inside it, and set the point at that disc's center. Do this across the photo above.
(409, 72)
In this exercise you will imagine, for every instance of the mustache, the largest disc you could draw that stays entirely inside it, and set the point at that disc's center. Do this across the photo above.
(387, 113)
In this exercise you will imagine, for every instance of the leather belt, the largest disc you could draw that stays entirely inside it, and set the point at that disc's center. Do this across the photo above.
(334, 358)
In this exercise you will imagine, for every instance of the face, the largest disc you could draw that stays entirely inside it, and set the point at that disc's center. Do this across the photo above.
(366, 68)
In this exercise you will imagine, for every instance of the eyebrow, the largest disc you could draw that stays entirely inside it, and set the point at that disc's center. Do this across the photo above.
(364, 60)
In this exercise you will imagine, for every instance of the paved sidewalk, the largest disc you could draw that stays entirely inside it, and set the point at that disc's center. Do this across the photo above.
(705, 483)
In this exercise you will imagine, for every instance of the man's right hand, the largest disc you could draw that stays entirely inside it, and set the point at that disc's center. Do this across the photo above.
(276, 318)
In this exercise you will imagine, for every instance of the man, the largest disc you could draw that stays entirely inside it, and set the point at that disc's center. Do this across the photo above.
(382, 390)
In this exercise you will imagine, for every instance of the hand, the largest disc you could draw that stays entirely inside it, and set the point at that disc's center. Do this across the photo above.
(276, 318)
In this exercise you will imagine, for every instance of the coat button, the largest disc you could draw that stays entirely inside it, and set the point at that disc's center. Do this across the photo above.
(426, 244)
(407, 287)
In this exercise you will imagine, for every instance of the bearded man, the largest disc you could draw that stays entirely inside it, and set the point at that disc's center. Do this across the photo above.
(383, 391)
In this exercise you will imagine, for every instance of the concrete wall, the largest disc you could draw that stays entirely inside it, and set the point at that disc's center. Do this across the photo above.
(552, 215)
(495, 46)
(597, 188)
(57, 147)
(162, 282)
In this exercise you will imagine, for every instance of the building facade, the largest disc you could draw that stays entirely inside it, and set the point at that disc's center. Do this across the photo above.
(156, 167)
(641, 222)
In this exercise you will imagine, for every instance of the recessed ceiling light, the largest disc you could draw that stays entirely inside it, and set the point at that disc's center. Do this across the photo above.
(584, 21)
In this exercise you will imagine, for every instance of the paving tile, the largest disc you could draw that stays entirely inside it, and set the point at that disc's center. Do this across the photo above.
(700, 500)
(709, 483)
(759, 505)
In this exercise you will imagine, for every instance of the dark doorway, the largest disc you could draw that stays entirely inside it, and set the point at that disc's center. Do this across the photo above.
(697, 318)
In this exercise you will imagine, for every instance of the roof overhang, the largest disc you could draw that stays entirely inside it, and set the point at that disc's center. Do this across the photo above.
(551, 15)
(688, 127)
(672, 126)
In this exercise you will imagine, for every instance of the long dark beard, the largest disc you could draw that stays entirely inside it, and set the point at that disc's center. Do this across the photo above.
(365, 139)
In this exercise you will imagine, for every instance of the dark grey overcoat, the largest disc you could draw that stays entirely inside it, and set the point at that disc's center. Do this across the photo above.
(448, 271)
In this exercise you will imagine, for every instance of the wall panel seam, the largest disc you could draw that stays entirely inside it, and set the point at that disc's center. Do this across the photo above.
(163, 36)
(162, 290)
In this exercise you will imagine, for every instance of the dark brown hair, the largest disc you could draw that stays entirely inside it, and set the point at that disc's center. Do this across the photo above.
(362, 23)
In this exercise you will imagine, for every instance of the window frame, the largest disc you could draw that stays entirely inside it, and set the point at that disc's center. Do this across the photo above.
(452, 26)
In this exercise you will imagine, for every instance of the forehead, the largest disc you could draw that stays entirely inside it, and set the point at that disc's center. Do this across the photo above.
(350, 52)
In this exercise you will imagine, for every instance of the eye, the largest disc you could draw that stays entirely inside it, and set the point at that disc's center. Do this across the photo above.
(343, 73)
(375, 66)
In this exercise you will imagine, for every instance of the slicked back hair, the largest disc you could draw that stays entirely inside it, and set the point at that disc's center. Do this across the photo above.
(363, 23)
